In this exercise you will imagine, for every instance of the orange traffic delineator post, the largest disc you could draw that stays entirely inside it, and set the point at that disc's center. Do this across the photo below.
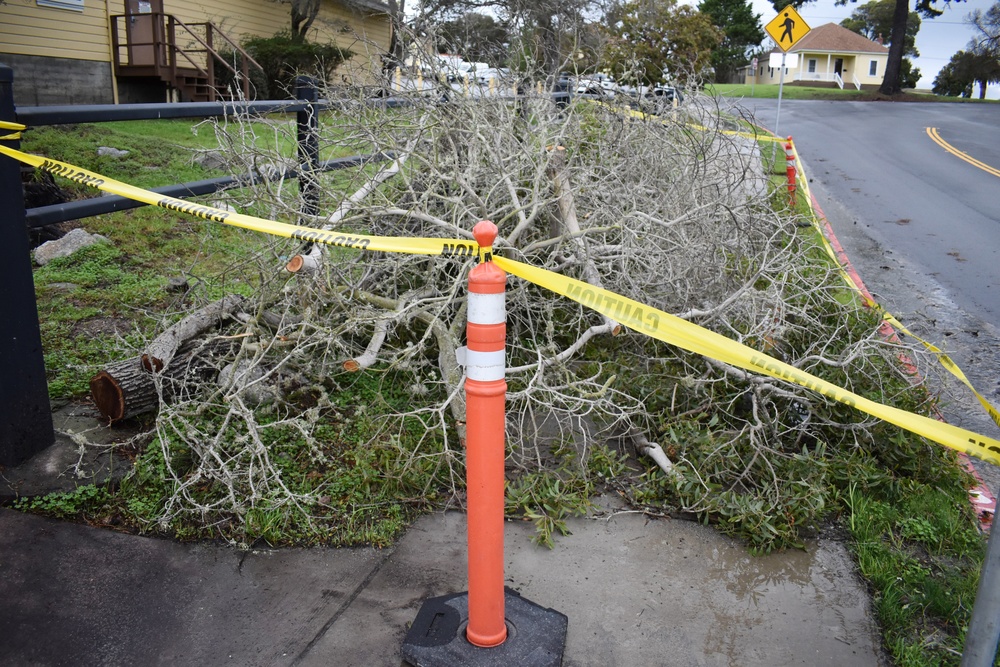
(485, 395)
(790, 171)
(471, 629)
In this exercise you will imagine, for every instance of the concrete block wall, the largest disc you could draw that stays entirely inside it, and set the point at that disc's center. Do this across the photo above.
(43, 81)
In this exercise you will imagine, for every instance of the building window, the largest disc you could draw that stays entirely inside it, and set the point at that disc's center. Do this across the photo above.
(75, 5)
(873, 68)
(812, 65)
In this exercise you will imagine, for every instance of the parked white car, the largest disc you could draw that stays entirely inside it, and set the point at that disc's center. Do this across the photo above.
(449, 67)
(468, 70)
(597, 85)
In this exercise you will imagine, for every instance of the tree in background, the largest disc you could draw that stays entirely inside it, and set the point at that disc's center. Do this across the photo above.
(908, 74)
(892, 80)
(972, 66)
(477, 37)
(585, 47)
(984, 63)
(397, 19)
(874, 21)
(982, 66)
(953, 80)
(658, 40)
(540, 27)
(304, 13)
(742, 34)
(987, 25)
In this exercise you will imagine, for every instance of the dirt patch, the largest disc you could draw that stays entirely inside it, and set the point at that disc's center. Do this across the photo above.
(102, 326)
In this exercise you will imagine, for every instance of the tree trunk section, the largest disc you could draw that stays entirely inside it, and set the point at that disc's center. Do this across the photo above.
(890, 82)
(163, 348)
(126, 389)
(123, 390)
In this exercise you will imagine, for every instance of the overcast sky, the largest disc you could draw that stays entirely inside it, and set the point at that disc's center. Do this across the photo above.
(937, 40)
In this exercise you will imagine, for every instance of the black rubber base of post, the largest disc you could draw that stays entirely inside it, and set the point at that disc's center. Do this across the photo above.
(536, 636)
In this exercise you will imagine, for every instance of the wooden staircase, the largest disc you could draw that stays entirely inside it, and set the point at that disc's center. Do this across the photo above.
(183, 56)
(195, 87)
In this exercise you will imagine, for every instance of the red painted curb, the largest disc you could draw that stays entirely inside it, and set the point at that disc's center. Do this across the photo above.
(982, 500)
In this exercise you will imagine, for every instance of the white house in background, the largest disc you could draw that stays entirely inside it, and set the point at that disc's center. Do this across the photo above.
(829, 55)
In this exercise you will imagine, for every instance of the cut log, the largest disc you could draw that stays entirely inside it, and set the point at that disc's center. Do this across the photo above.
(126, 389)
(163, 348)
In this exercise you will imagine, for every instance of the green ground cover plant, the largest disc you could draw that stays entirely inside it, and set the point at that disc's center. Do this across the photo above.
(307, 452)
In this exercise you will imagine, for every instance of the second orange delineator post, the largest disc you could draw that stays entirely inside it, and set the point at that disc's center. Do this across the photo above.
(486, 391)
(790, 171)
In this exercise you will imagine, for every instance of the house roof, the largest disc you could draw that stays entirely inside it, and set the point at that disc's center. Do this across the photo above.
(371, 5)
(837, 39)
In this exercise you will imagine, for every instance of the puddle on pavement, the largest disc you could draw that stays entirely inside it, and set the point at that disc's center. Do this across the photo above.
(774, 593)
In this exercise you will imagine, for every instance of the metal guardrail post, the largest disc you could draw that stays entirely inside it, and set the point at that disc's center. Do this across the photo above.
(981, 639)
(307, 122)
(25, 414)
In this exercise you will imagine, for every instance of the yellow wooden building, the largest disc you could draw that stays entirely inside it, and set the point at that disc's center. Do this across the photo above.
(110, 51)
(829, 55)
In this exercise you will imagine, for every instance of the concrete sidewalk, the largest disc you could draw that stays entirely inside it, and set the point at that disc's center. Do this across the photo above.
(638, 592)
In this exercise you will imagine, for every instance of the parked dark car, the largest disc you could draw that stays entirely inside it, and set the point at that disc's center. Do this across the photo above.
(665, 95)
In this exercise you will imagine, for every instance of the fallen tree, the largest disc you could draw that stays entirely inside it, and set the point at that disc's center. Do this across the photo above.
(668, 210)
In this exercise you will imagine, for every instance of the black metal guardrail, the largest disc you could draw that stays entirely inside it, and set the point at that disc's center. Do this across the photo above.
(25, 413)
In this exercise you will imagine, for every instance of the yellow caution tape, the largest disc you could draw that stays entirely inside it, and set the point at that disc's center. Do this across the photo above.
(420, 246)
(940, 354)
(633, 314)
(676, 331)
(736, 133)
(942, 357)
(7, 125)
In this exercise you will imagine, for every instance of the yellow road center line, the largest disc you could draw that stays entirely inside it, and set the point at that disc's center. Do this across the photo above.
(932, 132)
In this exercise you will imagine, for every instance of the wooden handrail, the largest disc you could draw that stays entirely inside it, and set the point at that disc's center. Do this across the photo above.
(211, 28)
(172, 43)
(235, 46)
(176, 52)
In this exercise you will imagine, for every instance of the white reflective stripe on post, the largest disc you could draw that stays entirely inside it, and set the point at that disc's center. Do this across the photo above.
(485, 366)
(487, 308)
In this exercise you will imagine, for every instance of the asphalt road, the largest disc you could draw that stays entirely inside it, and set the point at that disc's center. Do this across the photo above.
(921, 225)
(916, 199)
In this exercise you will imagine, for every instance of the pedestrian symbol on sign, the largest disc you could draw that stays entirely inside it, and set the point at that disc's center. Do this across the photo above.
(789, 24)
(787, 28)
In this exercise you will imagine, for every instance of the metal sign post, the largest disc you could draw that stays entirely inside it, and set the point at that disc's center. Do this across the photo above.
(981, 640)
(781, 89)
(786, 29)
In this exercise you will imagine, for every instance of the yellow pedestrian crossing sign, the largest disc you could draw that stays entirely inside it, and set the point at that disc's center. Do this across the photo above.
(787, 28)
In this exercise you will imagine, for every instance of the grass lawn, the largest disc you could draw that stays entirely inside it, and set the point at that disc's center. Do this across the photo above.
(796, 92)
